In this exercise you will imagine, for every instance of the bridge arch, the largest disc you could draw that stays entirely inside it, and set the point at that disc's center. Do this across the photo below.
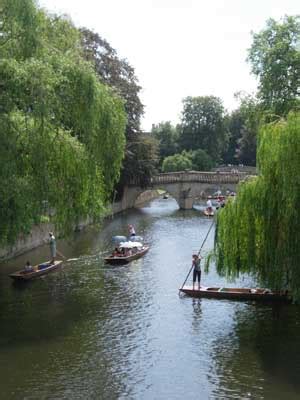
(185, 186)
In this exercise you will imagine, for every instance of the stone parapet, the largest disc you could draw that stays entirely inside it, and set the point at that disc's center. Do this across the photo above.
(196, 176)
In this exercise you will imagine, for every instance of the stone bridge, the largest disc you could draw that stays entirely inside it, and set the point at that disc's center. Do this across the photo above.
(185, 187)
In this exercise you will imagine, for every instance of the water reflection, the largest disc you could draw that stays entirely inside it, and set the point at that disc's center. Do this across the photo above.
(196, 324)
(92, 331)
(260, 357)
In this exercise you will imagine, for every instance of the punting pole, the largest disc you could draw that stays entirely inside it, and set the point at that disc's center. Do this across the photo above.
(198, 252)
(67, 259)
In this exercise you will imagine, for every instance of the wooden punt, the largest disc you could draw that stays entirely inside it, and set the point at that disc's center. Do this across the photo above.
(37, 271)
(236, 293)
(119, 260)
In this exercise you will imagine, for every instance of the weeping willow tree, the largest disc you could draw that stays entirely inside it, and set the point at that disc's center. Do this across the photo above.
(258, 233)
(62, 132)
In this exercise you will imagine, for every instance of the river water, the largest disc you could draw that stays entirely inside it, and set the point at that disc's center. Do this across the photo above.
(93, 331)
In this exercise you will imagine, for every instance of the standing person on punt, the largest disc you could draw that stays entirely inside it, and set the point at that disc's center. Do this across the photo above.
(52, 244)
(196, 270)
(131, 230)
(209, 205)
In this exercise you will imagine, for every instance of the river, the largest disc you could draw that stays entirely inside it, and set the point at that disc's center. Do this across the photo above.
(93, 331)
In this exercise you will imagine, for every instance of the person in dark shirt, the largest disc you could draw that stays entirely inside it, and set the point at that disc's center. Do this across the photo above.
(196, 270)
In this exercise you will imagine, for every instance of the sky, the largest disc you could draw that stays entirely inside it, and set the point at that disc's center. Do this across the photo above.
(179, 48)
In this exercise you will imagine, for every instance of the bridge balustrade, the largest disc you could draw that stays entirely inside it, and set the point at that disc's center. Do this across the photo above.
(194, 176)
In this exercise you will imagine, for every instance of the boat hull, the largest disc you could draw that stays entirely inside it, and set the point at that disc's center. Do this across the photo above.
(235, 294)
(27, 276)
(209, 213)
(113, 260)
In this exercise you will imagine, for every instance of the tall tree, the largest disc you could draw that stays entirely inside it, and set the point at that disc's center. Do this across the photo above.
(202, 125)
(253, 117)
(275, 59)
(167, 135)
(116, 73)
(140, 161)
(120, 75)
(258, 232)
(61, 130)
(234, 123)
(243, 125)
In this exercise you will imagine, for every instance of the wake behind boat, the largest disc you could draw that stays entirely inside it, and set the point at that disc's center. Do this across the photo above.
(236, 293)
(127, 252)
(38, 270)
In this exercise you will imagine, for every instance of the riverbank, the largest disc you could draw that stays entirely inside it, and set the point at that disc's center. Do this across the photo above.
(39, 233)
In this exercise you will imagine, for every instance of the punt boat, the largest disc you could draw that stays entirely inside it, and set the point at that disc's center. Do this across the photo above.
(236, 293)
(38, 270)
(133, 253)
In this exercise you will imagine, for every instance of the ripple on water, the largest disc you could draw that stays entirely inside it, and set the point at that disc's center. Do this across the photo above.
(92, 331)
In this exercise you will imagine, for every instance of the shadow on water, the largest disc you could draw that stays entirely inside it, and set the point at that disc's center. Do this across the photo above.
(260, 357)
(92, 331)
(67, 321)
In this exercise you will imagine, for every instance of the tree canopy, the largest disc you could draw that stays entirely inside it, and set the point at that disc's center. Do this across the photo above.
(116, 73)
(120, 76)
(167, 135)
(197, 160)
(275, 59)
(202, 125)
(258, 232)
(242, 126)
(177, 162)
(201, 160)
(62, 131)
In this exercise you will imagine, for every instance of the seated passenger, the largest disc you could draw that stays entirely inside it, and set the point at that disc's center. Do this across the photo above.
(28, 267)
(123, 252)
(116, 252)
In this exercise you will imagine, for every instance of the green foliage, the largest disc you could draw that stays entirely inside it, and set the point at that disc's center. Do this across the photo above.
(177, 162)
(201, 160)
(61, 131)
(20, 28)
(140, 161)
(242, 125)
(116, 73)
(202, 125)
(258, 232)
(234, 124)
(95, 117)
(197, 160)
(120, 76)
(275, 59)
(167, 135)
